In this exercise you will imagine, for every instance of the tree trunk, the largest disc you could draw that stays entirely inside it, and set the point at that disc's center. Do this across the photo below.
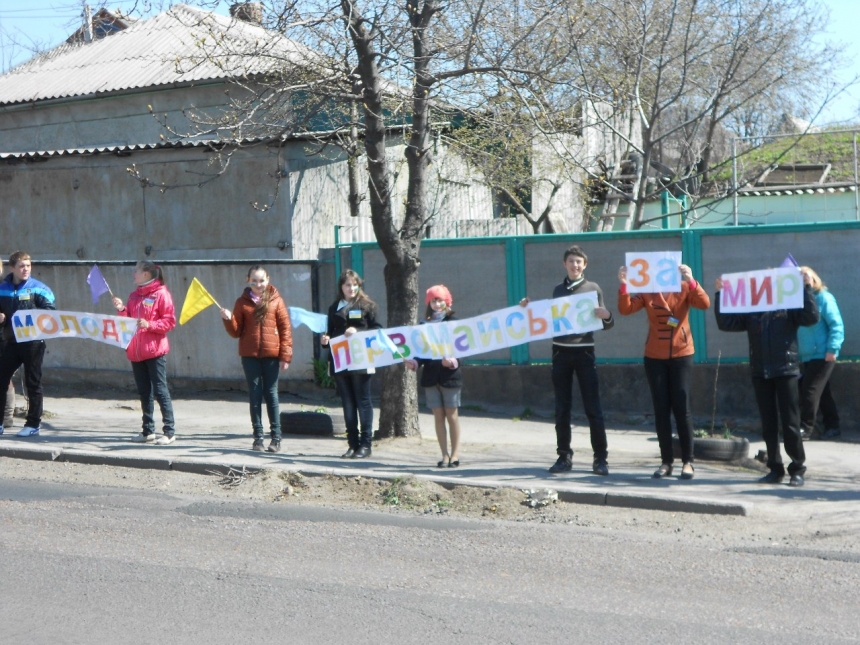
(399, 405)
(398, 414)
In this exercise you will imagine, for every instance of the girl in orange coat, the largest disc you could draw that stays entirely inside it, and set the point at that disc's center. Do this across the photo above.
(669, 360)
(261, 322)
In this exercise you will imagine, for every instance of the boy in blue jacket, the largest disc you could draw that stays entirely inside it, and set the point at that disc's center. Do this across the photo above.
(18, 291)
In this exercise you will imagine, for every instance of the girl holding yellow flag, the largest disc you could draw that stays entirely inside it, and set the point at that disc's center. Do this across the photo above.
(152, 305)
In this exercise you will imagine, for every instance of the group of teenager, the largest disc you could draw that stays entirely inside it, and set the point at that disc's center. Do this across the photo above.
(792, 354)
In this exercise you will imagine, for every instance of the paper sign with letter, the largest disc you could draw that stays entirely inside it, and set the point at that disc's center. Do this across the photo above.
(653, 272)
(767, 290)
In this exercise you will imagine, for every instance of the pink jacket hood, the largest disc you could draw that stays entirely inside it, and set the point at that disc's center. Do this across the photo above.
(153, 303)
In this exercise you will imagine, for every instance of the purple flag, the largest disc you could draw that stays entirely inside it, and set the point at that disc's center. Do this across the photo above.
(789, 261)
(97, 282)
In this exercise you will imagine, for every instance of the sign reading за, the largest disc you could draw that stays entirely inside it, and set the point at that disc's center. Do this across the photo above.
(653, 272)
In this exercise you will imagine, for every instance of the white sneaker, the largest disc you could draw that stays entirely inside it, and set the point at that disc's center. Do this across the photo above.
(143, 438)
(28, 431)
(164, 439)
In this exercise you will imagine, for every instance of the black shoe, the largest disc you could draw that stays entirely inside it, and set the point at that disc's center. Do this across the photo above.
(600, 467)
(773, 477)
(805, 433)
(348, 454)
(274, 446)
(454, 464)
(564, 463)
(362, 452)
(258, 446)
(796, 480)
(832, 433)
(663, 471)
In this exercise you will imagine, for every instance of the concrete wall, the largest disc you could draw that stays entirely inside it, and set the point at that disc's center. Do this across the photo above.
(200, 349)
(269, 203)
(759, 210)
(118, 119)
(510, 389)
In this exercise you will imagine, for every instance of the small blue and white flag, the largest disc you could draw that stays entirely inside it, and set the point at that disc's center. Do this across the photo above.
(383, 339)
(316, 322)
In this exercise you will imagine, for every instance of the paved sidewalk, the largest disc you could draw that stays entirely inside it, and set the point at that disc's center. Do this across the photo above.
(213, 432)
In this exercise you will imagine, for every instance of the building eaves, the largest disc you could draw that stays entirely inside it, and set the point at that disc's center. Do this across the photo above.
(119, 149)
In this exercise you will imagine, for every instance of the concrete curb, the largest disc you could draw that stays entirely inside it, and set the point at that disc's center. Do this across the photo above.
(198, 467)
(36, 454)
(97, 459)
(671, 504)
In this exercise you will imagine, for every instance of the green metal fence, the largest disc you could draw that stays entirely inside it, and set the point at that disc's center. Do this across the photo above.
(535, 262)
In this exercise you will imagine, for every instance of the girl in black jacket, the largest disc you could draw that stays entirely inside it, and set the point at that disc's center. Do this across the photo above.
(353, 311)
(442, 381)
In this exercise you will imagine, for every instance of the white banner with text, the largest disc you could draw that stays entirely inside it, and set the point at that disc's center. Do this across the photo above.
(43, 324)
(499, 329)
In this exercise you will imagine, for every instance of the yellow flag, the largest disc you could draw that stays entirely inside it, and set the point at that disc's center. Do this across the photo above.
(196, 300)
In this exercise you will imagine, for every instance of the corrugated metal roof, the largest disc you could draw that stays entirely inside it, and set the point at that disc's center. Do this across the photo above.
(181, 45)
(187, 143)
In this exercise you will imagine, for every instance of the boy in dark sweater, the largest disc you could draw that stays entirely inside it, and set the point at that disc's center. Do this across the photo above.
(574, 354)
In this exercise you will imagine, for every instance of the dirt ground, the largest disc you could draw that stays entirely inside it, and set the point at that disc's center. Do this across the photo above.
(410, 496)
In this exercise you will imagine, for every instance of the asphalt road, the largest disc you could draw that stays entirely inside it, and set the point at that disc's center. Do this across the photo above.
(84, 564)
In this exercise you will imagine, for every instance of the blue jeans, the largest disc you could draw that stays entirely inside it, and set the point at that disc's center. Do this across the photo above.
(262, 376)
(150, 376)
(354, 390)
(565, 363)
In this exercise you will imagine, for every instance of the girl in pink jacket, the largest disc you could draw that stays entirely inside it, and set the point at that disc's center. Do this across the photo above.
(152, 305)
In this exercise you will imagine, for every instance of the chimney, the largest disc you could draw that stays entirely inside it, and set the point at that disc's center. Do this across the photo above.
(248, 12)
(88, 24)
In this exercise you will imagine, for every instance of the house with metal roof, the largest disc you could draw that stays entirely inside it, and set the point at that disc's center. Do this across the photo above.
(110, 149)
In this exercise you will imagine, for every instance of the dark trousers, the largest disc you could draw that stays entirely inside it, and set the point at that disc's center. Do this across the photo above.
(262, 376)
(565, 363)
(354, 390)
(815, 395)
(30, 355)
(150, 376)
(9, 408)
(669, 381)
(778, 399)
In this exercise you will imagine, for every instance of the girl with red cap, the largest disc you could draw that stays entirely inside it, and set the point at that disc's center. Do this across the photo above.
(442, 381)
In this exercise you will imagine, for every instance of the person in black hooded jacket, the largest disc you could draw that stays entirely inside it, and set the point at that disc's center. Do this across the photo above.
(774, 367)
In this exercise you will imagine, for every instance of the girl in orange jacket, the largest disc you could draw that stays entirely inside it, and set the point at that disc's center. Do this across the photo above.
(669, 361)
(261, 322)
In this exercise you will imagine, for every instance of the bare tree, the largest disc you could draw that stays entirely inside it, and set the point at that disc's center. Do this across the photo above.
(687, 70)
(399, 64)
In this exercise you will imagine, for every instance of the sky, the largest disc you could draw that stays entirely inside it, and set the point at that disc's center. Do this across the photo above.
(47, 23)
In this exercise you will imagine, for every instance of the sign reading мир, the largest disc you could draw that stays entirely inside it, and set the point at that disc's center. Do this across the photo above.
(767, 290)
